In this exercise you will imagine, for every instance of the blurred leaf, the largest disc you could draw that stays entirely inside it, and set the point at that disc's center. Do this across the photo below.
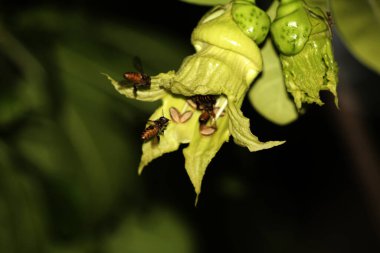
(206, 2)
(30, 68)
(358, 23)
(22, 212)
(22, 90)
(35, 144)
(68, 248)
(158, 50)
(87, 152)
(12, 108)
(46, 146)
(83, 155)
(158, 231)
(87, 245)
(105, 159)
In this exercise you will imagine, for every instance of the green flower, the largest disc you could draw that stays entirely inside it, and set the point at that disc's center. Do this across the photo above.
(302, 35)
(224, 65)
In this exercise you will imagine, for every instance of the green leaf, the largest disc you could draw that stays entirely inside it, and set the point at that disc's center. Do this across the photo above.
(104, 149)
(268, 94)
(158, 230)
(31, 87)
(206, 2)
(22, 210)
(358, 23)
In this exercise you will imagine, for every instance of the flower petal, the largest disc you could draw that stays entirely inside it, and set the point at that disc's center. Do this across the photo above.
(201, 150)
(240, 130)
(268, 95)
(310, 71)
(226, 60)
(307, 60)
(174, 134)
(155, 92)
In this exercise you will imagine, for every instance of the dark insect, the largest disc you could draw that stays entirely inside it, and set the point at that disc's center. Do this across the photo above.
(330, 20)
(205, 103)
(205, 116)
(137, 79)
(155, 128)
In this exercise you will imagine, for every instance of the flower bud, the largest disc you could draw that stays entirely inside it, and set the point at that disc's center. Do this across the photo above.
(302, 35)
(253, 21)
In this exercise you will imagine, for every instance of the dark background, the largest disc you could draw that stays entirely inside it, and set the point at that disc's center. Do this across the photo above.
(62, 191)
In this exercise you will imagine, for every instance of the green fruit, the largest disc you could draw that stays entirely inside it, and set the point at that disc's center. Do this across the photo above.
(253, 21)
(291, 28)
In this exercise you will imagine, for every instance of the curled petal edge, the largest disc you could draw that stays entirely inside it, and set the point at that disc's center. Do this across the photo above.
(154, 93)
(240, 129)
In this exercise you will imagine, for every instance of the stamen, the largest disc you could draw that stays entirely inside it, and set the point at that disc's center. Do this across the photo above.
(221, 108)
(175, 115)
(184, 108)
(207, 130)
(192, 104)
(186, 116)
(215, 111)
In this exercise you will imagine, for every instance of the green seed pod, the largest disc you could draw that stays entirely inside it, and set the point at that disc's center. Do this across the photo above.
(253, 21)
(291, 28)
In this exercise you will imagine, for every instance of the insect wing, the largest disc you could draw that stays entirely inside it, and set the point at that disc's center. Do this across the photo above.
(137, 64)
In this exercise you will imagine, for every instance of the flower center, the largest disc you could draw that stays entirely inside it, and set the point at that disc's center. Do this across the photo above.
(211, 107)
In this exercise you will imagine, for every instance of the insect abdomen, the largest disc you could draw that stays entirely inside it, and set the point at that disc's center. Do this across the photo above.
(133, 77)
(150, 132)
